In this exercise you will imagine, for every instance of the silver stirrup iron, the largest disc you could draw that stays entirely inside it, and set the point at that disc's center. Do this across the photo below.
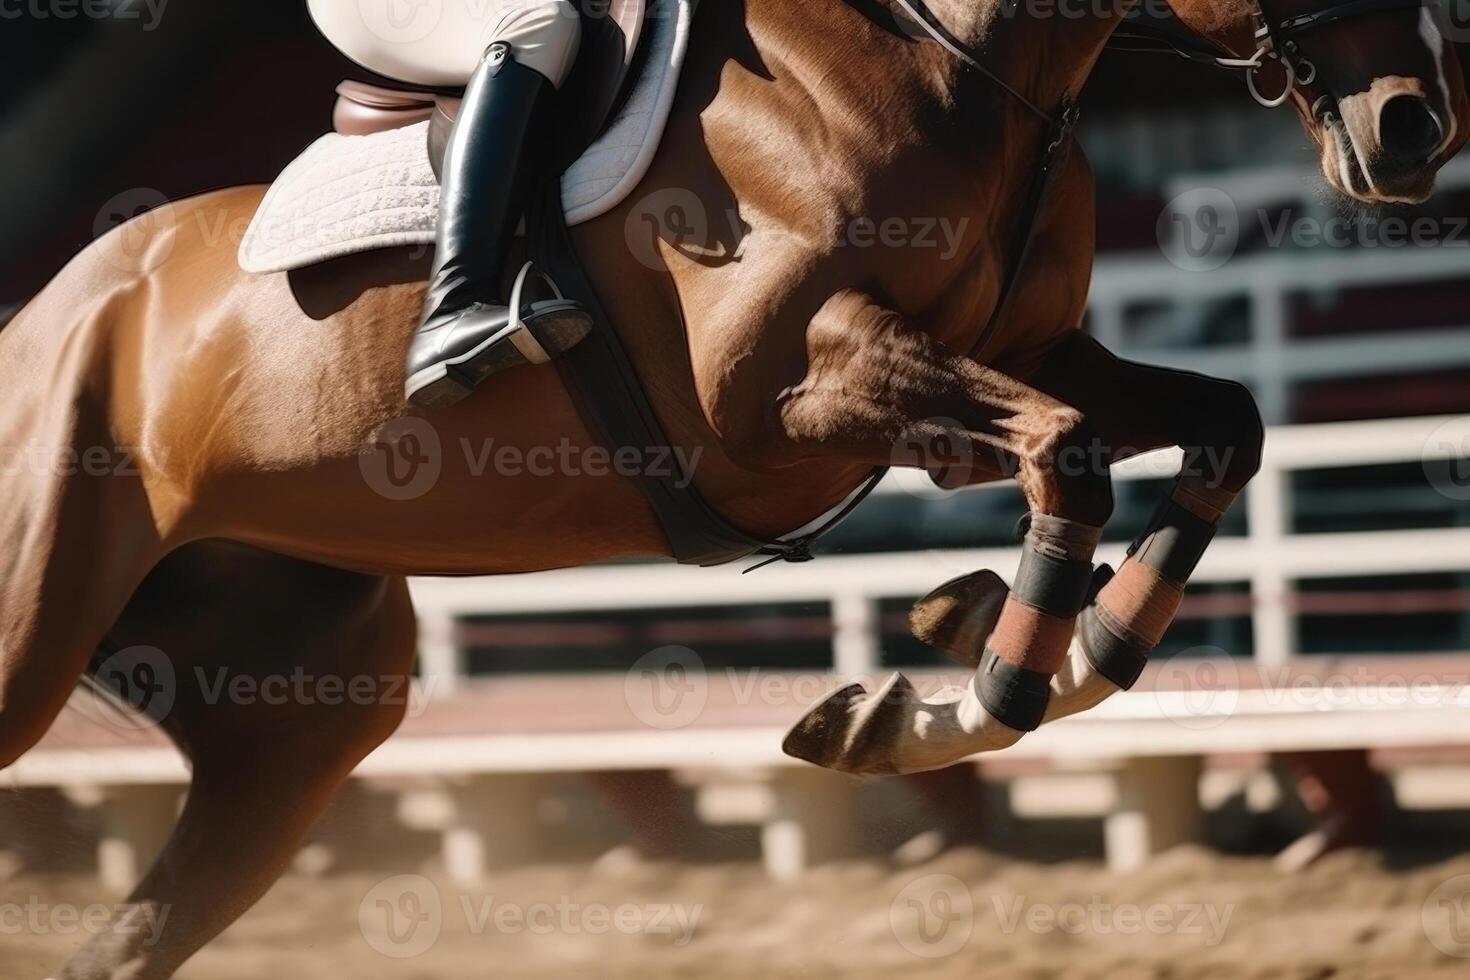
(523, 339)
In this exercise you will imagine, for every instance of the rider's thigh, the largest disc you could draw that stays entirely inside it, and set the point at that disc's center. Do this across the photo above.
(440, 42)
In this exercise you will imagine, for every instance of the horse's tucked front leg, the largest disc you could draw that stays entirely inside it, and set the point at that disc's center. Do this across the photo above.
(1142, 407)
(872, 384)
(1133, 609)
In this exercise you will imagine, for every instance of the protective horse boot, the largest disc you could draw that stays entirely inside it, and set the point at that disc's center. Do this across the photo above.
(1102, 660)
(469, 331)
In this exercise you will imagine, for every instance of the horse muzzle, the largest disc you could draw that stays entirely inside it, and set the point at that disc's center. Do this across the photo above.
(1386, 145)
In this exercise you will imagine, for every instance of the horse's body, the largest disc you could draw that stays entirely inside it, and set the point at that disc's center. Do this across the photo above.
(236, 524)
(321, 378)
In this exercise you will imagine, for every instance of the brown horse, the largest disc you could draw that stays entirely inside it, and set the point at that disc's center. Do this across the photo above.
(193, 434)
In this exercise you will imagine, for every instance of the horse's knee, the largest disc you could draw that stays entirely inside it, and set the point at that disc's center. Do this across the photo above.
(1231, 438)
(1064, 470)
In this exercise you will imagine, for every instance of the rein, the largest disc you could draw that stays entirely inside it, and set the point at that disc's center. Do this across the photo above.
(1061, 125)
(925, 18)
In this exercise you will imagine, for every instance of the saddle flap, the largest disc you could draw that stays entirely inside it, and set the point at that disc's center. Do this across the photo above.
(348, 194)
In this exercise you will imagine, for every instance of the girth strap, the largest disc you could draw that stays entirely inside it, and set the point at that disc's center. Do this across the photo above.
(605, 388)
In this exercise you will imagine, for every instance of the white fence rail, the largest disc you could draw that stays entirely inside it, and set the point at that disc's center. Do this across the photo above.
(1269, 558)
(1271, 361)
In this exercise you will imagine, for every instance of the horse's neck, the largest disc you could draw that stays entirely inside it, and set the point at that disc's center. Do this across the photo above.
(1046, 58)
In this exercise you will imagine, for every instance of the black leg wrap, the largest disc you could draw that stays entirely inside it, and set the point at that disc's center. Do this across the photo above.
(1175, 542)
(1056, 586)
(1119, 660)
(1015, 696)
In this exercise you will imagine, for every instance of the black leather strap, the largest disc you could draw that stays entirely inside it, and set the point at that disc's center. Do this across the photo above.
(1111, 655)
(1014, 696)
(612, 402)
(1291, 27)
(609, 398)
(1138, 36)
(1058, 138)
(1060, 126)
(1166, 35)
(920, 13)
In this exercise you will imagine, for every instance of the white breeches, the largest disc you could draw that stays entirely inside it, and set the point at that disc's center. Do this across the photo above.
(440, 42)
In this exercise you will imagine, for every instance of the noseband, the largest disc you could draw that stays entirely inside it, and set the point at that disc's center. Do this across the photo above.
(1276, 40)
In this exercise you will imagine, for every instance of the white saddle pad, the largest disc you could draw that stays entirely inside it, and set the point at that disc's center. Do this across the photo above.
(350, 194)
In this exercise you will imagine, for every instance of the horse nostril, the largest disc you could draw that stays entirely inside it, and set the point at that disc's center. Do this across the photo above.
(1409, 129)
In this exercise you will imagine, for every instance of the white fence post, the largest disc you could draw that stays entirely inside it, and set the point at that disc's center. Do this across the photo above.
(856, 635)
(441, 661)
(812, 821)
(1273, 622)
(1158, 808)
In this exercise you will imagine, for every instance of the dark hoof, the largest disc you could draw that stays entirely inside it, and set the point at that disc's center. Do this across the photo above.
(959, 616)
(821, 737)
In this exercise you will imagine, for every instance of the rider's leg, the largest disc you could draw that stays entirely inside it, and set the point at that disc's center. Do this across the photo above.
(499, 144)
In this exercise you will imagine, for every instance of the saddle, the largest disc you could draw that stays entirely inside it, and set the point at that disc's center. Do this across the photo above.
(598, 373)
(598, 84)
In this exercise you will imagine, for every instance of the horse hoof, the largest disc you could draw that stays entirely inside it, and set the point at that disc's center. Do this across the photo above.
(821, 737)
(959, 616)
(895, 732)
(856, 732)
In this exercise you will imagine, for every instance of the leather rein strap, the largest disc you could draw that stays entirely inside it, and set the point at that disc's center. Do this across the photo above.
(931, 24)
(1060, 127)
(1306, 23)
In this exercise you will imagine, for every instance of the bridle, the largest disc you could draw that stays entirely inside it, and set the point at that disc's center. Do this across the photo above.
(1276, 40)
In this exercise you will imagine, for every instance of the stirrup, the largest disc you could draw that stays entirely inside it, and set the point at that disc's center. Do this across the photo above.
(519, 334)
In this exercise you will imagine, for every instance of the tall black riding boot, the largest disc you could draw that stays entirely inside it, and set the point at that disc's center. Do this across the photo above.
(469, 330)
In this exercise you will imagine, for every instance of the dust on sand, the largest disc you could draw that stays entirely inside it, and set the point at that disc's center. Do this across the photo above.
(1190, 914)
